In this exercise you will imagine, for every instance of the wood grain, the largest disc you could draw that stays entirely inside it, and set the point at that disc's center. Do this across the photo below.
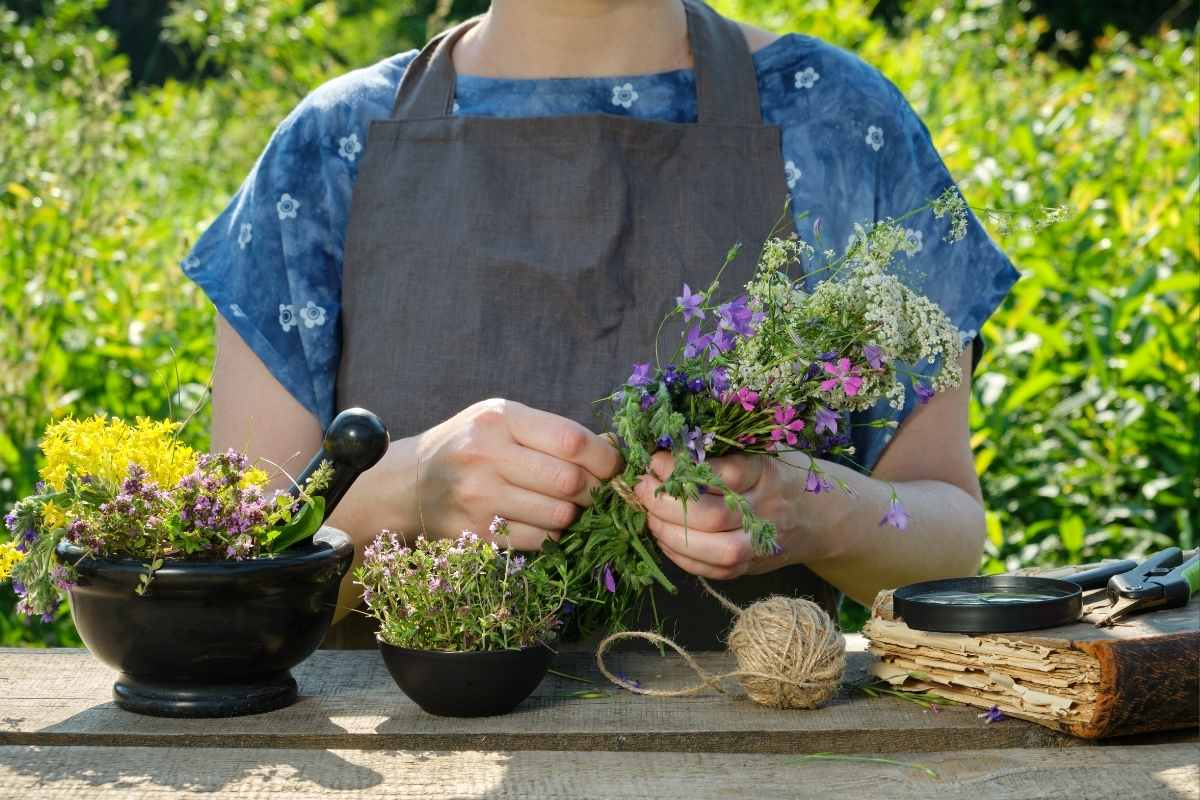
(63, 697)
(68, 773)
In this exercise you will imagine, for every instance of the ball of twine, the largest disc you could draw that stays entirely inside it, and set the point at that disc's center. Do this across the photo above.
(789, 653)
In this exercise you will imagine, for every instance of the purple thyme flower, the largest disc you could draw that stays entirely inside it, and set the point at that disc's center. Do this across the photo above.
(924, 393)
(993, 714)
(610, 580)
(896, 516)
(435, 584)
(874, 356)
(10, 521)
(690, 303)
(826, 420)
(515, 565)
(641, 374)
(696, 343)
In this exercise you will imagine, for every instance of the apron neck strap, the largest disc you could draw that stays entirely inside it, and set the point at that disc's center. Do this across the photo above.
(726, 81)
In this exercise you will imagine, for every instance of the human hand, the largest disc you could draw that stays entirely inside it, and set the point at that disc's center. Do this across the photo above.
(714, 544)
(499, 457)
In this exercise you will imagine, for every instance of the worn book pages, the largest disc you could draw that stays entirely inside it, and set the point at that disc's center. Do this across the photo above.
(1140, 675)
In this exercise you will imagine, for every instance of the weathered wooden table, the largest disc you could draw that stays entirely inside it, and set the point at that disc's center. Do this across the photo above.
(353, 734)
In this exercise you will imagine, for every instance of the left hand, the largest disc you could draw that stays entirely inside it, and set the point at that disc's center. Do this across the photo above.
(714, 544)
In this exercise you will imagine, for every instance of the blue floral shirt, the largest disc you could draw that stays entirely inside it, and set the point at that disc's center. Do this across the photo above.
(853, 151)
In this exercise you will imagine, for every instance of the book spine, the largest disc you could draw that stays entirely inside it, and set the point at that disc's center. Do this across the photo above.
(1146, 685)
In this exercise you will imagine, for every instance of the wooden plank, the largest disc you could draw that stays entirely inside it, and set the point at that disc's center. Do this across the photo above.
(63, 697)
(134, 773)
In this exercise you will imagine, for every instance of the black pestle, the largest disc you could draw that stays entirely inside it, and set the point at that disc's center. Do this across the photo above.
(354, 442)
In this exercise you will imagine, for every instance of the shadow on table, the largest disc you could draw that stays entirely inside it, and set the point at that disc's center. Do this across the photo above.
(123, 760)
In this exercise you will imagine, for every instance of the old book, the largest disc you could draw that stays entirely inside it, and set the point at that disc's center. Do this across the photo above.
(1141, 675)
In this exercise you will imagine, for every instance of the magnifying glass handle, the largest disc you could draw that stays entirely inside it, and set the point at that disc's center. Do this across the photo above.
(355, 441)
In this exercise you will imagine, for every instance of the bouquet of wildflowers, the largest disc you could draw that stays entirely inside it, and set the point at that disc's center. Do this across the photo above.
(776, 368)
(119, 490)
(460, 595)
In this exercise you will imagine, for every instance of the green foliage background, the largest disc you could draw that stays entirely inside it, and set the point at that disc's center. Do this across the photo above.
(1087, 403)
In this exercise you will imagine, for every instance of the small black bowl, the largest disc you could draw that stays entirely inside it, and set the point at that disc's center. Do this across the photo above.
(209, 638)
(480, 683)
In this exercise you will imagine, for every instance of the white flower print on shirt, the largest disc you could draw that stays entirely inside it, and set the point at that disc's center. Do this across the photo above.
(245, 234)
(454, 109)
(792, 172)
(287, 206)
(191, 263)
(349, 147)
(312, 315)
(874, 138)
(287, 316)
(236, 310)
(807, 78)
(624, 95)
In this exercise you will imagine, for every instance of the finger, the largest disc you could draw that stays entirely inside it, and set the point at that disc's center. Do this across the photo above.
(547, 475)
(563, 438)
(523, 537)
(740, 473)
(544, 513)
(707, 513)
(662, 464)
(704, 570)
(728, 550)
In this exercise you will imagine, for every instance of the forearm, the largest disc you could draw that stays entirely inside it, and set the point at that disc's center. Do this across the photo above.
(841, 539)
(383, 497)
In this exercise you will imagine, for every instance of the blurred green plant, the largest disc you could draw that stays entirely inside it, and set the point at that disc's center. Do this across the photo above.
(1086, 405)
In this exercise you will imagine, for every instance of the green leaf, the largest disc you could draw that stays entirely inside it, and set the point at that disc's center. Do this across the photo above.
(304, 525)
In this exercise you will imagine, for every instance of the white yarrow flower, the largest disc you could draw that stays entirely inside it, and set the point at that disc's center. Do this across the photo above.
(624, 95)
(807, 78)
(875, 138)
(349, 147)
(287, 206)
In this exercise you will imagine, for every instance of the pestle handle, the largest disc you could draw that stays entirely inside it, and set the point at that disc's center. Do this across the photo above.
(355, 441)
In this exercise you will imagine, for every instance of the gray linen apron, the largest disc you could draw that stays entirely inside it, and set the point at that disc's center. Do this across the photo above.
(533, 258)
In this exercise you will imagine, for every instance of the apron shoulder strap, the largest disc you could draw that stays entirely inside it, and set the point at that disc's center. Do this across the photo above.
(726, 81)
(427, 88)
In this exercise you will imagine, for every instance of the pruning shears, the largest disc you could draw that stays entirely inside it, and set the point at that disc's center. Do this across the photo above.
(1164, 580)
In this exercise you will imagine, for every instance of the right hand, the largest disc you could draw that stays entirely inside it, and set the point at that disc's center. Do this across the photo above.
(499, 457)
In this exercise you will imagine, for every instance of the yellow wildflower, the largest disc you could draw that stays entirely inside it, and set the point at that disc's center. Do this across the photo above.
(105, 448)
(255, 477)
(10, 556)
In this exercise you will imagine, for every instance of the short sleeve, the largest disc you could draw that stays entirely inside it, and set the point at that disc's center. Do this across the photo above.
(968, 278)
(271, 261)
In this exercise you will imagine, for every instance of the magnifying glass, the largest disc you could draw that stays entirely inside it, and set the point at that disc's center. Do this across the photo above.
(1000, 603)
